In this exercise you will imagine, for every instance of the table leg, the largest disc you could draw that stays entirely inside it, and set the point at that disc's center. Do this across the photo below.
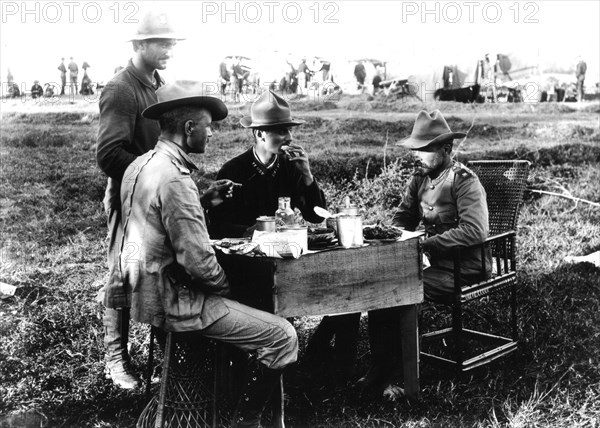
(410, 350)
(277, 400)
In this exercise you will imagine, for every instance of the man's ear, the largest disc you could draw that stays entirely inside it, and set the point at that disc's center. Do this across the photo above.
(188, 126)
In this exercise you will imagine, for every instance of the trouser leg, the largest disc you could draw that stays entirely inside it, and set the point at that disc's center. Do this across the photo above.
(346, 341)
(273, 344)
(385, 346)
(343, 329)
(272, 338)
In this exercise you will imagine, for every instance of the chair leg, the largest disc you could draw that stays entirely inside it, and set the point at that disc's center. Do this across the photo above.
(457, 333)
(513, 310)
(160, 411)
(150, 366)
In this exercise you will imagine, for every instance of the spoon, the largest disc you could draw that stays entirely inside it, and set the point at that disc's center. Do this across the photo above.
(322, 212)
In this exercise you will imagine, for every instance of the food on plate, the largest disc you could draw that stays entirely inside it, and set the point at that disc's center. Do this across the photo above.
(319, 238)
(381, 231)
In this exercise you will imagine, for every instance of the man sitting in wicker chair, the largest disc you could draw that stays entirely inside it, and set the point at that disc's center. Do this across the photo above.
(166, 256)
(450, 202)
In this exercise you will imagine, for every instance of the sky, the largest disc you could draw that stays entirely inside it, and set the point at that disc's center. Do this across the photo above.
(411, 36)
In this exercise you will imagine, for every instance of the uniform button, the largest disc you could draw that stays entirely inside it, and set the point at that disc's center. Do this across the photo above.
(432, 187)
(430, 208)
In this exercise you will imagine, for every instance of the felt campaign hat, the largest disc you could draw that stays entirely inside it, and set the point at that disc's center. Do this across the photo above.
(185, 93)
(269, 111)
(429, 129)
(155, 25)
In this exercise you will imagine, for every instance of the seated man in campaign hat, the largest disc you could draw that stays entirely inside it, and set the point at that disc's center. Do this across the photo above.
(274, 166)
(167, 259)
(450, 202)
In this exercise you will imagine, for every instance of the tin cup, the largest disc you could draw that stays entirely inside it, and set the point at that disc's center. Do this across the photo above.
(349, 230)
(265, 224)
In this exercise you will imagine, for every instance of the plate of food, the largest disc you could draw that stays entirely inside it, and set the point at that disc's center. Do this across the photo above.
(381, 233)
(321, 238)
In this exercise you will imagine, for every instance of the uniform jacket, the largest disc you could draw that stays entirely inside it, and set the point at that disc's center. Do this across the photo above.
(261, 188)
(454, 213)
(73, 69)
(581, 69)
(166, 256)
(123, 134)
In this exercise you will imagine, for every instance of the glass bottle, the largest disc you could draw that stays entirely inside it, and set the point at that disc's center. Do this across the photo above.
(284, 216)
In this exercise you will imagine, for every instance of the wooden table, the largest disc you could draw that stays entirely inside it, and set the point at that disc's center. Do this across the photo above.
(338, 281)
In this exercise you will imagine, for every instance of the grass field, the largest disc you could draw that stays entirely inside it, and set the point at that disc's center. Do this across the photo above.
(53, 244)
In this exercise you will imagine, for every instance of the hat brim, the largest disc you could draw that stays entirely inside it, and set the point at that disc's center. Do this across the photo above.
(417, 143)
(246, 122)
(216, 107)
(140, 37)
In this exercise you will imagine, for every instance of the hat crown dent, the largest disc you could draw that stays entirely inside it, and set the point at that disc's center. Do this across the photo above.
(429, 129)
(270, 108)
(430, 125)
(155, 25)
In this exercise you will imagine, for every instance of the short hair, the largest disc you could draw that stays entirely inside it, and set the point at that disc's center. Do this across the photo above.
(172, 121)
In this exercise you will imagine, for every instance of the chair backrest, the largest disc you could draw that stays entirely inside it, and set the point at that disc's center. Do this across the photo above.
(504, 183)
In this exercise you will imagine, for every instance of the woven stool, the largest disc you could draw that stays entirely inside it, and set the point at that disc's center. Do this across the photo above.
(186, 397)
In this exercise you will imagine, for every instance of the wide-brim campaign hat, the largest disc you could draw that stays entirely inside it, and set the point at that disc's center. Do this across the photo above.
(429, 129)
(185, 93)
(269, 111)
(155, 25)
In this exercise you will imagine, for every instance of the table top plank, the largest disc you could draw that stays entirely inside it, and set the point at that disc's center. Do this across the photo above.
(349, 280)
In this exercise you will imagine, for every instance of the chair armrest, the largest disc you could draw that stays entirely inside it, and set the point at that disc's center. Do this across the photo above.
(503, 257)
(489, 240)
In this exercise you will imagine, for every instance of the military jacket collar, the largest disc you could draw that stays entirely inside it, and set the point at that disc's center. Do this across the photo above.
(180, 158)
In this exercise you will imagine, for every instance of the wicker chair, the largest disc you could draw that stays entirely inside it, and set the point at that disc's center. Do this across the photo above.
(186, 397)
(504, 183)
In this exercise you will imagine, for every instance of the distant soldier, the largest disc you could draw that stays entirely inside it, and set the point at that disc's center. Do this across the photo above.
(304, 74)
(73, 73)
(86, 82)
(48, 90)
(360, 73)
(224, 77)
(36, 90)
(580, 74)
(63, 76)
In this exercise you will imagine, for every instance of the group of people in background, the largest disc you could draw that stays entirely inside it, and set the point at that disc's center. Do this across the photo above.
(86, 82)
(236, 77)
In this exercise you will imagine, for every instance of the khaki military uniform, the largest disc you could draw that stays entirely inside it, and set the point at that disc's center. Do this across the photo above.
(453, 211)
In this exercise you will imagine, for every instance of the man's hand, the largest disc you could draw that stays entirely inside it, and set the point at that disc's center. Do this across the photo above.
(217, 192)
(299, 158)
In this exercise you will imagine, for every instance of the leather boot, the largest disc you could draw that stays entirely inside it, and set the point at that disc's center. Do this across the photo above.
(257, 389)
(116, 335)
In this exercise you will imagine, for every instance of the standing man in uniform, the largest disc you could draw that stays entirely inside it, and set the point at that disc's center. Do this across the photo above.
(63, 76)
(450, 202)
(123, 135)
(73, 73)
(580, 74)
